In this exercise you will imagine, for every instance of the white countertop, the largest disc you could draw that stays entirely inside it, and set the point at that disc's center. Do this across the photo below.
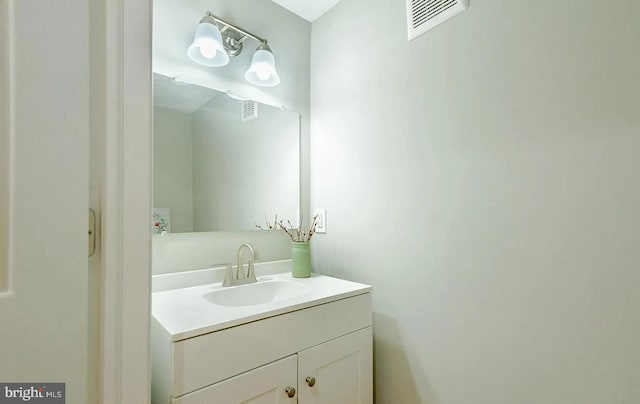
(185, 313)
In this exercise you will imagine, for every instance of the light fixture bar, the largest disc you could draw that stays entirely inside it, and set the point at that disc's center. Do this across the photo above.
(236, 28)
(213, 45)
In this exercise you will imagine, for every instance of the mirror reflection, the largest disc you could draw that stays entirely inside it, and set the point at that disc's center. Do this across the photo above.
(220, 163)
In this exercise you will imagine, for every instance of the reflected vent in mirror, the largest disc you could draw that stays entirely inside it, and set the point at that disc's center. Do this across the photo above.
(422, 15)
(249, 110)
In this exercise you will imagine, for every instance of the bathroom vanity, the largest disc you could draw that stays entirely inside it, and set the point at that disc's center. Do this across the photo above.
(280, 340)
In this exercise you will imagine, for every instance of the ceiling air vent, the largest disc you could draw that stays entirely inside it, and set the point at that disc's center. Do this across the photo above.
(422, 15)
(249, 110)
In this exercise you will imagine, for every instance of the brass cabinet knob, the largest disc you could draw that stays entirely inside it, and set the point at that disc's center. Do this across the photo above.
(311, 381)
(290, 392)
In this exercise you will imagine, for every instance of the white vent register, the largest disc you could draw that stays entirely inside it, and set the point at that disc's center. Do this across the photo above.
(422, 15)
(249, 110)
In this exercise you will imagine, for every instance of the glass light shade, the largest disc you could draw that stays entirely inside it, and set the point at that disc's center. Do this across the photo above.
(207, 48)
(262, 71)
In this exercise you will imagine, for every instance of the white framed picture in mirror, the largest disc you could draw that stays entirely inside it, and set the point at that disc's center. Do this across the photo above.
(222, 163)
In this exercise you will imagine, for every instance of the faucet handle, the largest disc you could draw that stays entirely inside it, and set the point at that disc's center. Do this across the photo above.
(228, 277)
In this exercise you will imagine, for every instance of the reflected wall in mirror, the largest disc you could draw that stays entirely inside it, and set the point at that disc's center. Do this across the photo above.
(217, 166)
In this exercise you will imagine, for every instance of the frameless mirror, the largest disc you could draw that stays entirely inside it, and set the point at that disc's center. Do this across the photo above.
(220, 163)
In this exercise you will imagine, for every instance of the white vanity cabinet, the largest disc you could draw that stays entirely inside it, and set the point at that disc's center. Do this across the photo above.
(336, 372)
(322, 350)
(269, 384)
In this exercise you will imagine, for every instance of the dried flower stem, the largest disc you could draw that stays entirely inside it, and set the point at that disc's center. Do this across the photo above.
(270, 226)
(299, 234)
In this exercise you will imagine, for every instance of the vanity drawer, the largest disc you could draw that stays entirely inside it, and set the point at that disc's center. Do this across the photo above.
(209, 358)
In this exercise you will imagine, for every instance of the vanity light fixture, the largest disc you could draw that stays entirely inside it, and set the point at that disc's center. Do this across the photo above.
(213, 46)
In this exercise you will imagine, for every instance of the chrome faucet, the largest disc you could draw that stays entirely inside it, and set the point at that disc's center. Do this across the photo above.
(241, 277)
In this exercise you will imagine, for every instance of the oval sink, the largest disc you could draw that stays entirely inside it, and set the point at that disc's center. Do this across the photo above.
(256, 293)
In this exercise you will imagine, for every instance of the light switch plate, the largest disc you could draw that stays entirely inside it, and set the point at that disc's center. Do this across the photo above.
(321, 226)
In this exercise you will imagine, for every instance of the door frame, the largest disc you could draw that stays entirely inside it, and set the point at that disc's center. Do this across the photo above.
(125, 304)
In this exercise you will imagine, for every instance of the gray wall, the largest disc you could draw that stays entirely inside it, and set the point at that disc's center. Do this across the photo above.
(289, 38)
(484, 179)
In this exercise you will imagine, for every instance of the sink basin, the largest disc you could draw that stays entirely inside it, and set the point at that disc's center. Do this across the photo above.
(191, 309)
(256, 293)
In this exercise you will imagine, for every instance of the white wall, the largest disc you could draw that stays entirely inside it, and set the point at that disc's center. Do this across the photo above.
(173, 166)
(244, 171)
(289, 38)
(484, 179)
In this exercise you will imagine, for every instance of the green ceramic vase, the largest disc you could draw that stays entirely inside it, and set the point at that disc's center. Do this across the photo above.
(300, 259)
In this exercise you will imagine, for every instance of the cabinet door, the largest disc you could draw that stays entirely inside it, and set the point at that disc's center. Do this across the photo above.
(265, 385)
(337, 372)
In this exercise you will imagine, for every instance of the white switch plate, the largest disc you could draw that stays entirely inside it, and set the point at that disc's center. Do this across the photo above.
(321, 226)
